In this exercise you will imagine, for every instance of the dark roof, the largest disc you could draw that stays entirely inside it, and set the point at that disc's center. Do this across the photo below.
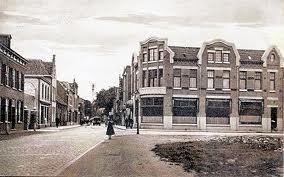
(39, 67)
(246, 54)
(61, 94)
(189, 53)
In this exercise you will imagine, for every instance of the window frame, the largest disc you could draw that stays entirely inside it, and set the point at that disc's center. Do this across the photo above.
(258, 77)
(216, 56)
(272, 79)
(226, 78)
(244, 78)
(192, 75)
(213, 57)
(209, 78)
(177, 76)
(228, 57)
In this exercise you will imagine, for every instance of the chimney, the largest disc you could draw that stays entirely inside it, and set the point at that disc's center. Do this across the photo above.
(5, 39)
(53, 58)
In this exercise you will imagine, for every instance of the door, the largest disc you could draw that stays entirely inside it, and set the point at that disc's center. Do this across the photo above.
(273, 118)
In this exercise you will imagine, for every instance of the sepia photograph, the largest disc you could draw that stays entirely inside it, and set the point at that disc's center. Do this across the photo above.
(142, 88)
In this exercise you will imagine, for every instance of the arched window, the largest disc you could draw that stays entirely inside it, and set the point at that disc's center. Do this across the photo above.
(272, 57)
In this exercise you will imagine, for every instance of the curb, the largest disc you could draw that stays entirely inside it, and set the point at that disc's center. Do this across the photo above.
(118, 127)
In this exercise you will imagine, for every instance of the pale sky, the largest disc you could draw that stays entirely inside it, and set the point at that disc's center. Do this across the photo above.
(94, 39)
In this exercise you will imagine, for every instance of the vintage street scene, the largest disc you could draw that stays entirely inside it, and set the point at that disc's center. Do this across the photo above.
(170, 88)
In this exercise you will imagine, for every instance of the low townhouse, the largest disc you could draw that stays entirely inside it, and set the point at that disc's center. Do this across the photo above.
(61, 104)
(39, 82)
(72, 102)
(212, 87)
(12, 72)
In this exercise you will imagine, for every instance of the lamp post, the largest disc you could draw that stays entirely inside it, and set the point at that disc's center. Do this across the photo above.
(137, 117)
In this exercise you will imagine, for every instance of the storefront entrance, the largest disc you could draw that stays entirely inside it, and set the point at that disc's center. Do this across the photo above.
(273, 118)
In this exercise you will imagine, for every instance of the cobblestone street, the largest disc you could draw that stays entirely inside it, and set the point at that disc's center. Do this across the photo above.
(46, 154)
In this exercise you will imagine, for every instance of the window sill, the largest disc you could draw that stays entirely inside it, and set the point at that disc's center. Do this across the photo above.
(272, 91)
(193, 89)
(218, 125)
(177, 88)
(258, 90)
(210, 89)
(156, 61)
(250, 125)
(225, 62)
(243, 90)
(226, 89)
(219, 62)
(210, 61)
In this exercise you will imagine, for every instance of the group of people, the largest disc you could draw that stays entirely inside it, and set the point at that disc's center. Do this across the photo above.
(129, 123)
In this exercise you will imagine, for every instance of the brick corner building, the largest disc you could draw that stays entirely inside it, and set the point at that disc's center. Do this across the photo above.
(12, 70)
(212, 87)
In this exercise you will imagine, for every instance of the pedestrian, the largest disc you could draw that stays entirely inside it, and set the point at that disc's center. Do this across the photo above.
(110, 130)
(57, 122)
(131, 123)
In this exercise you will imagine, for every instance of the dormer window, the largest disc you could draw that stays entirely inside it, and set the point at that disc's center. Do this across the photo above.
(161, 55)
(210, 57)
(272, 57)
(226, 57)
(218, 56)
(145, 57)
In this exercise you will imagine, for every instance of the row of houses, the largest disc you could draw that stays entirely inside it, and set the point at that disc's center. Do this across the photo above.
(212, 87)
(29, 87)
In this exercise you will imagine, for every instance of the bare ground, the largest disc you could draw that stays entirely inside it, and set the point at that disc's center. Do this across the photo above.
(226, 156)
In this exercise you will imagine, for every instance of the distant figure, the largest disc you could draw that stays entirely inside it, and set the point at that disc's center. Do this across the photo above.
(131, 123)
(110, 130)
(57, 122)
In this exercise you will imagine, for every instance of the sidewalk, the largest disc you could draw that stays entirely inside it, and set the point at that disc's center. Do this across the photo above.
(195, 132)
(47, 129)
(19, 133)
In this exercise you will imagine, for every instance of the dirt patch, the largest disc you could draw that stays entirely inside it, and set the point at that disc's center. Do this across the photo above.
(227, 156)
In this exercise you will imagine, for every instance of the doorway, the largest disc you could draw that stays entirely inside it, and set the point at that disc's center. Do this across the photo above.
(273, 118)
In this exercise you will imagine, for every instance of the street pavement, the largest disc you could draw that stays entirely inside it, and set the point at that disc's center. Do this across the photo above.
(85, 151)
(47, 154)
(126, 156)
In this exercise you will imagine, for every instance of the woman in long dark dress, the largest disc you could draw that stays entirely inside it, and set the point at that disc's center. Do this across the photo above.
(110, 130)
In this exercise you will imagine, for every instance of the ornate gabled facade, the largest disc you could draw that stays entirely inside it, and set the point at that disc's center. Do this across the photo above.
(212, 87)
(40, 82)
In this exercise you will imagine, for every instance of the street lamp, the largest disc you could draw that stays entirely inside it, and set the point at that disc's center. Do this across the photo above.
(137, 117)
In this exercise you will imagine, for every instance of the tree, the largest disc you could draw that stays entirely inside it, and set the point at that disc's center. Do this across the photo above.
(105, 99)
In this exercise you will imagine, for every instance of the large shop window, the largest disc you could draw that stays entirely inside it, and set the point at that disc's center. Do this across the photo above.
(185, 107)
(218, 108)
(152, 106)
(218, 111)
(250, 111)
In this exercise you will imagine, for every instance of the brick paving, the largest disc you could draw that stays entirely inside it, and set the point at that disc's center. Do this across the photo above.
(46, 154)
